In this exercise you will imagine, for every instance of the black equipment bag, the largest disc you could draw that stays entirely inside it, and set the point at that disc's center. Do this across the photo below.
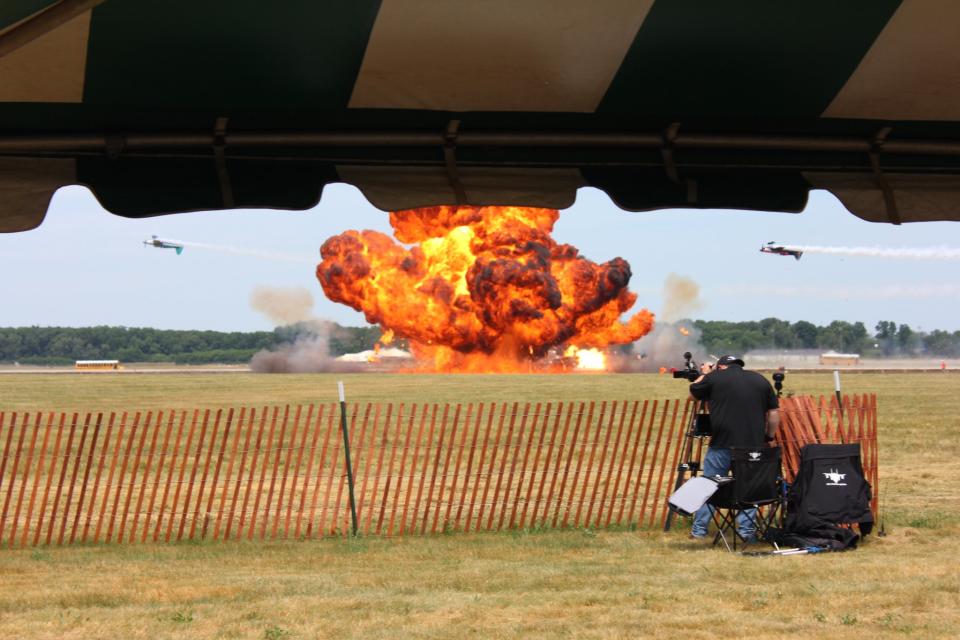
(829, 489)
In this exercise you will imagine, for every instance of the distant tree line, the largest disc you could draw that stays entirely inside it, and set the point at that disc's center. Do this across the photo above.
(64, 345)
(888, 339)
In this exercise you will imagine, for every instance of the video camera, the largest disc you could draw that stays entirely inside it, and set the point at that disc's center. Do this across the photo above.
(690, 369)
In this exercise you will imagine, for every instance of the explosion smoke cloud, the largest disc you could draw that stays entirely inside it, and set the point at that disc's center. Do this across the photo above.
(483, 288)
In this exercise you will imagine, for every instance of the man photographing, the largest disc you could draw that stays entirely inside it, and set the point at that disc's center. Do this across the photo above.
(744, 413)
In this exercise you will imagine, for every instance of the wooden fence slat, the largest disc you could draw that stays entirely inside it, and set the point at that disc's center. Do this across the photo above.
(579, 469)
(6, 449)
(677, 447)
(366, 460)
(393, 453)
(653, 466)
(133, 472)
(46, 492)
(296, 469)
(227, 479)
(113, 465)
(37, 475)
(571, 452)
(166, 488)
(263, 470)
(26, 475)
(656, 458)
(156, 479)
(216, 477)
(334, 464)
(86, 477)
(320, 467)
(526, 457)
(268, 507)
(535, 517)
(628, 496)
(3, 459)
(185, 512)
(283, 476)
(663, 465)
(306, 476)
(544, 426)
(13, 474)
(456, 472)
(158, 425)
(63, 475)
(203, 478)
(376, 474)
(174, 509)
(253, 468)
(480, 476)
(446, 467)
(424, 471)
(121, 481)
(478, 421)
(345, 517)
(506, 446)
(593, 450)
(401, 475)
(608, 432)
(513, 447)
(623, 459)
(613, 463)
(73, 480)
(557, 443)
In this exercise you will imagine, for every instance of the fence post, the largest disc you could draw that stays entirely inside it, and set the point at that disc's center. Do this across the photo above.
(346, 454)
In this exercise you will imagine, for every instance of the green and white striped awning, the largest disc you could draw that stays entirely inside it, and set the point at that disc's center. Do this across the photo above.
(163, 107)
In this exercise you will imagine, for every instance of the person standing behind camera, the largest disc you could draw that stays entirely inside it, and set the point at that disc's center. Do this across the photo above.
(744, 413)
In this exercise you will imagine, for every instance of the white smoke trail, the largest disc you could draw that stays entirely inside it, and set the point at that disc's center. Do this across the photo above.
(904, 253)
(253, 253)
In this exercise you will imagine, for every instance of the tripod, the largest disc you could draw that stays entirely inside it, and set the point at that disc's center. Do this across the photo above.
(697, 429)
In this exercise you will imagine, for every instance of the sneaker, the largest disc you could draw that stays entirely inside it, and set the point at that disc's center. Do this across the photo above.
(694, 536)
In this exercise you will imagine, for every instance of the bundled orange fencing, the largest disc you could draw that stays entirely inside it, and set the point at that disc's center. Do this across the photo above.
(278, 472)
(805, 420)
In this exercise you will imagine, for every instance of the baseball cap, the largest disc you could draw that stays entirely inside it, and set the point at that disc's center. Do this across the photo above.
(727, 360)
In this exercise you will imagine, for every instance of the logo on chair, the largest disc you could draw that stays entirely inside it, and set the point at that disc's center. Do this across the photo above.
(835, 477)
(754, 456)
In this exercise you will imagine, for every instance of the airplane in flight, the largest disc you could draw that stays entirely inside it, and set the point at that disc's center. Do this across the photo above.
(160, 243)
(782, 250)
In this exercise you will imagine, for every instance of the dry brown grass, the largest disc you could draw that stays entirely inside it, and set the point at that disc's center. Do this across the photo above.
(545, 584)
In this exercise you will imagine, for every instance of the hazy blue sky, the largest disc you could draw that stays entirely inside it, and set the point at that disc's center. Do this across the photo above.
(86, 267)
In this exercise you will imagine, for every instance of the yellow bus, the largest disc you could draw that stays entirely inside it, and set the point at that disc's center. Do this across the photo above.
(97, 365)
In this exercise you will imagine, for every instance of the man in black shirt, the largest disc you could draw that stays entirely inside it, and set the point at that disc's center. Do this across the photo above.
(744, 412)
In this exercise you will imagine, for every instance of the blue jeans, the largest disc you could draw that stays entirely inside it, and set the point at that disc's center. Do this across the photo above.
(717, 463)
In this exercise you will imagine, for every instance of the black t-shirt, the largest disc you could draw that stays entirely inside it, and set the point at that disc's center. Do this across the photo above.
(739, 401)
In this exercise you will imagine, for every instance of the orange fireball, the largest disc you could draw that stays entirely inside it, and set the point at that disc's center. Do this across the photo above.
(482, 288)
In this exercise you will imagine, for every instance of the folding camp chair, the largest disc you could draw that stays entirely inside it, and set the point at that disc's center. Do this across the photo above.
(755, 494)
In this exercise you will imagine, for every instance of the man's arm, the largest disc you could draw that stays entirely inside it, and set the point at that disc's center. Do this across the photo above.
(773, 421)
(700, 388)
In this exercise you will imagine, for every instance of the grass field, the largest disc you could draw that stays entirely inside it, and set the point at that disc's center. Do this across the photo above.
(573, 583)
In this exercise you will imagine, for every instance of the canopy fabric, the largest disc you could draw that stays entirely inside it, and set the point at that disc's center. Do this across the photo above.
(183, 106)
